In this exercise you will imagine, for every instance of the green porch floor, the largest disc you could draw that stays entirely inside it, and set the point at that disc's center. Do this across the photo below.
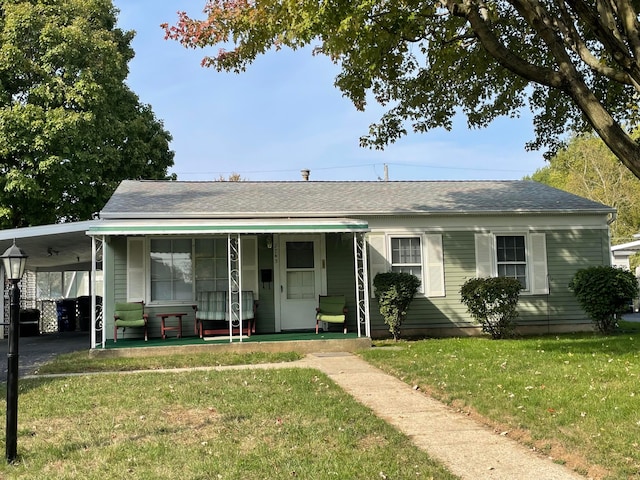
(224, 340)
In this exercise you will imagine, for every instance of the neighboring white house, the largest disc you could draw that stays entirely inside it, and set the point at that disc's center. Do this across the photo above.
(620, 254)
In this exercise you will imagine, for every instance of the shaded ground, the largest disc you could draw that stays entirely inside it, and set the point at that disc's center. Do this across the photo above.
(37, 350)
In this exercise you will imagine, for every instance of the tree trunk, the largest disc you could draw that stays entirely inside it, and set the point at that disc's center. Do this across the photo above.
(611, 133)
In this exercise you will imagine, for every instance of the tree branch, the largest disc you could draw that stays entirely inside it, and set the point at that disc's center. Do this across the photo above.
(575, 42)
(629, 22)
(470, 11)
(605, 29)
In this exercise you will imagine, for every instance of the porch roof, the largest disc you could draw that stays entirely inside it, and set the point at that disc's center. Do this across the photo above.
(222, 226)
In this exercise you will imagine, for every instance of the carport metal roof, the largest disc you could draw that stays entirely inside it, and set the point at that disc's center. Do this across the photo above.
(62, 246)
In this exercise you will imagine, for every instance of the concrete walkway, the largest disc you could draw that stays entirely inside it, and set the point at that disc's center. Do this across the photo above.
(468, 449)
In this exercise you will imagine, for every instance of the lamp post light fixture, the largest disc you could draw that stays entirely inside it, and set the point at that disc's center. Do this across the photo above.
(14, 261)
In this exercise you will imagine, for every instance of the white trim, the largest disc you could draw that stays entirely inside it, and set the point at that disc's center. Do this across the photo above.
(483, 224)
(377, 257)
(538, 254)
(434, 260)
(226, 226)
(137, 249)
(389, 252)
(485, 255)
(249, 273)
(46, 230)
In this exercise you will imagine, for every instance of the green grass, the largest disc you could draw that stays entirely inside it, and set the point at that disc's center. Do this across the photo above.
(245, 424)
(85, 361)
(576, 398)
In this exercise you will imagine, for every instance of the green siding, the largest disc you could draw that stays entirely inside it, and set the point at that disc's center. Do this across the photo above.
(265, 314)
(439, 312)
(567, 251)
(116, 284)
(341, 275)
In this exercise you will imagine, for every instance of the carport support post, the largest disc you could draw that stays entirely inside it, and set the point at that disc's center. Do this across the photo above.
(12, 375)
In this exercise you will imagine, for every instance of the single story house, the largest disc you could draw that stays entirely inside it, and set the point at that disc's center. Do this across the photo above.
(162, 242)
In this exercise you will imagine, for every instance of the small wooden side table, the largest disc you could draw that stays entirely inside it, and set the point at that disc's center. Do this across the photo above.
(165, 328)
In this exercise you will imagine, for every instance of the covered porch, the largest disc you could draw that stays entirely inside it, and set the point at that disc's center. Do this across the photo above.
(286, 263)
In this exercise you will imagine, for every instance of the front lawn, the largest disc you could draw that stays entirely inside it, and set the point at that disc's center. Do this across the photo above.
(84, 361)
(575, 398)
(243, 424)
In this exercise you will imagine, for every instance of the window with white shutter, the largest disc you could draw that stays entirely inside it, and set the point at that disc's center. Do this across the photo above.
(520, 256)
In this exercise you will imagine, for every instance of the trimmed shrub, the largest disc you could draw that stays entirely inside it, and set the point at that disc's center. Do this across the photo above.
(394, 292)
(493, 302)
(604, 293)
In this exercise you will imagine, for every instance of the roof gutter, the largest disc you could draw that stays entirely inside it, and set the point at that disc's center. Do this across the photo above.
(292, 215)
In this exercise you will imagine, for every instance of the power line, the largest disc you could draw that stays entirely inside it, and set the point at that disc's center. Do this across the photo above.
(360, 165)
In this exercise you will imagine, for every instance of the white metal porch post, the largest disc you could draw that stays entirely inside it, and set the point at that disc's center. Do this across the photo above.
(234, 309)
(362, 283)
(95, 324)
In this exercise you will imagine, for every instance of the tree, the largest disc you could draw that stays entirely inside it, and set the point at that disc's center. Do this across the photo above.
(575, 64)
(70, 128)
(587, 168)
(233, 177)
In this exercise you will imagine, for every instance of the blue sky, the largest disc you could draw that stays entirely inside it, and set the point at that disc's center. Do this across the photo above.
(283, 115)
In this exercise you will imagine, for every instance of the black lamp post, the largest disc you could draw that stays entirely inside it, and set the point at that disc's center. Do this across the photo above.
(14, 261)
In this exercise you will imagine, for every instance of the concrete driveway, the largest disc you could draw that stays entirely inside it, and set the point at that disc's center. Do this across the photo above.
(35, 351)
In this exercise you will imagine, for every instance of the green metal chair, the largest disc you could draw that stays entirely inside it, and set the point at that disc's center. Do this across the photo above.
(129, 314)
(331, 309)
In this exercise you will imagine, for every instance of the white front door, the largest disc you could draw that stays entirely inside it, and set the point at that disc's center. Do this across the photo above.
(302, 279)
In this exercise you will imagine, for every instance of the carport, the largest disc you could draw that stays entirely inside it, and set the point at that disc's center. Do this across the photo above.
(620, 253)
(63, 247)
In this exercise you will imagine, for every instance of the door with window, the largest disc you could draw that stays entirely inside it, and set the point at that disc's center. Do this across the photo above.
(301, 280)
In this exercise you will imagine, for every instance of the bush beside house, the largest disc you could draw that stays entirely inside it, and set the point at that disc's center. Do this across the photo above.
(394, 292)
(604, 293)
(493, 302)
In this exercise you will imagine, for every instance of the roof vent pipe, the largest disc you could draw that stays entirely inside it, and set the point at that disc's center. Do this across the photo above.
(305, 174)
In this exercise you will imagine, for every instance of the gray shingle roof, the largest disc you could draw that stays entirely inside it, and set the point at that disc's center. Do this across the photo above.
(160, 199)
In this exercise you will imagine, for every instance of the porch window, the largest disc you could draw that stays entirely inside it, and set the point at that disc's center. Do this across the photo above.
(211, 264)
(511, 257)
(171, 269)
(406, 256)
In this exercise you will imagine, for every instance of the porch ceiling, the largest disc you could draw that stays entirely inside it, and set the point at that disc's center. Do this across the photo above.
(222, 226)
